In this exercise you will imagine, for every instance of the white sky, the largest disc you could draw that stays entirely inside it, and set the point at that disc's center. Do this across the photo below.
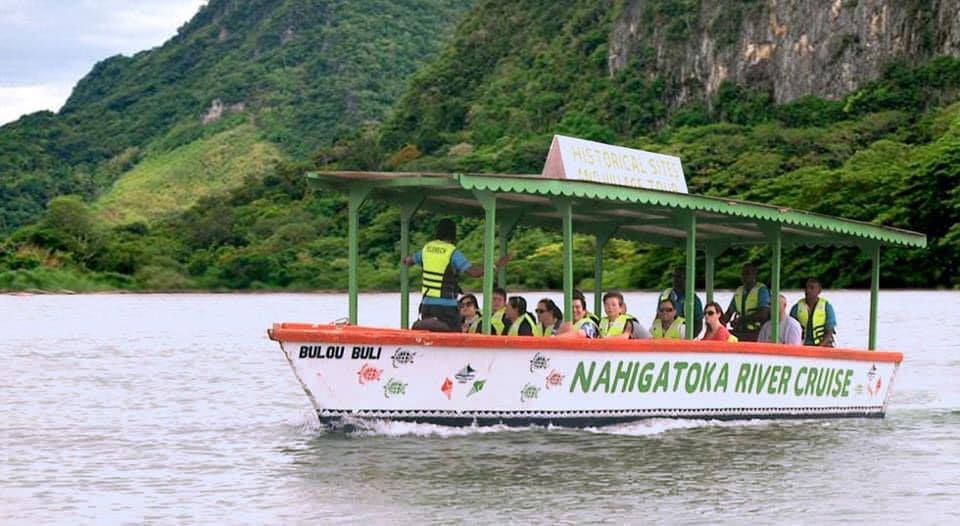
(46, 46)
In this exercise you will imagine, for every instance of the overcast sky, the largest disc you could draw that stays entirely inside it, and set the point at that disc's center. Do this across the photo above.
(46, 46)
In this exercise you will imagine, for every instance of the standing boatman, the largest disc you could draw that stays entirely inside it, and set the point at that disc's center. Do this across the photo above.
(677, 294)
(820, 328)
(442, 262)
(750, 306)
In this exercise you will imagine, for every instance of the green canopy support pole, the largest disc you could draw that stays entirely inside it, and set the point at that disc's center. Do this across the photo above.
(508, 224)
(691, 270)
(776, 246)
(565, 207)
(709, 260)
(407, 209)
(874, 295)
(601, 240)
(489, 202)
(358, 194)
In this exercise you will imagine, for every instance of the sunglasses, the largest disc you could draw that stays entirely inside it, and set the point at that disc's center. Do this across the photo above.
(666, 310)
(711, 313)
(540, 311)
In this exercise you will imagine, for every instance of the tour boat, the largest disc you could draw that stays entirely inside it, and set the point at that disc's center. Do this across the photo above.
(350, 371)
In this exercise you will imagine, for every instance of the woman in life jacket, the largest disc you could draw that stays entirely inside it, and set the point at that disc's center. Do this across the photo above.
(470, 319)
(715, 329)
(550, 317)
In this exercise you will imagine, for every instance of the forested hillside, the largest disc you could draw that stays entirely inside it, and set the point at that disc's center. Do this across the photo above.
(509, 77)
(299, 74)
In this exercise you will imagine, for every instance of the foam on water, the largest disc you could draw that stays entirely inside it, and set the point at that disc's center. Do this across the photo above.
(647, 427)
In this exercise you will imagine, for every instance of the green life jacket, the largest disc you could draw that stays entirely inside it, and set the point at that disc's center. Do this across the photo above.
(526, 318)
(672, 332)
(475, 325)
(584, 321)
(593, 317)
(608, 329)
(549, 331)
(439, 277)
(497, 324)
(816, 325)
(752, 305)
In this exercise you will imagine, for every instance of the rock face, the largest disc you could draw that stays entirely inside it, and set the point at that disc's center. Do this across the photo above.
(790, 47)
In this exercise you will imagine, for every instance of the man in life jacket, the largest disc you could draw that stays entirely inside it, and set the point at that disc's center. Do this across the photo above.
(578, 295)
(668, 324)
(749, 307)
(497, 324)
(617, 323)
(677, 294)
(581, 318)
(816, 316)
(442, 262)
(520, 322)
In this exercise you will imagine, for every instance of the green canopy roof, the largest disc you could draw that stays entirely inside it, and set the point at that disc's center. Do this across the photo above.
(630, 213)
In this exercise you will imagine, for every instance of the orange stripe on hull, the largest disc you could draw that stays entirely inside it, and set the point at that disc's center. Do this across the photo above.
(305, 332)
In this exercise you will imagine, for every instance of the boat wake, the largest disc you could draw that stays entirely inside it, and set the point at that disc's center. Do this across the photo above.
(389, 428)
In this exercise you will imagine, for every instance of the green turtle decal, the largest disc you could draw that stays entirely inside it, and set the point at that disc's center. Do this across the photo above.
(529, 392)
(394, 387)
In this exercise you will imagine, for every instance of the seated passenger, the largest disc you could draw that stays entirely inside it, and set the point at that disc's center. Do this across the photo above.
(617, 323)
(578, 294)
(667, 316)
(497, 323)
(581, 318)
(520, 322)
(677, 294)
(550, 317)
(471, 321)
(715, 329)
(820, 328)
(790, 331)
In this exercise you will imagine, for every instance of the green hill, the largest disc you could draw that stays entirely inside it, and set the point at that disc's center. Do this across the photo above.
(507, 79)
(303, 72)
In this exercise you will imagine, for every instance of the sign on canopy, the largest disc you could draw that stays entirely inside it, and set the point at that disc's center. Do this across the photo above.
(579, 159)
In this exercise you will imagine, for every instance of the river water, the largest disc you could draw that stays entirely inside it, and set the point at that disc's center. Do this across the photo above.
(174, 409)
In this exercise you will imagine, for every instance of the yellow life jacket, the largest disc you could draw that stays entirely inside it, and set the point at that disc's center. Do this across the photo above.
(439, 277)
(585, 320)
(548, 331)
(616, 328)
(496, 321)
(672, 332)
(474, 326)
(526, 318)
(593, 317)
(819, 319)
(752, 305)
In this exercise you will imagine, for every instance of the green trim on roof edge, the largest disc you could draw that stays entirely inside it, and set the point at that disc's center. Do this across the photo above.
(394, 186)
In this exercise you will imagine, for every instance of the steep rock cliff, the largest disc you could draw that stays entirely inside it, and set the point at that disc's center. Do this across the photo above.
(790, 47)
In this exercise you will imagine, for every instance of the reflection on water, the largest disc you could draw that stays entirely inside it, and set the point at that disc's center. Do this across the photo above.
(175, 408)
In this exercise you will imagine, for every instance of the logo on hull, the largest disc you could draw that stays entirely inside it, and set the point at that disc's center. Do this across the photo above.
(539, 361)
(402, 357)
(368, 374)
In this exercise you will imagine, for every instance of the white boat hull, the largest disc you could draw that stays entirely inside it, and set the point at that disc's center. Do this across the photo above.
(412, 376)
